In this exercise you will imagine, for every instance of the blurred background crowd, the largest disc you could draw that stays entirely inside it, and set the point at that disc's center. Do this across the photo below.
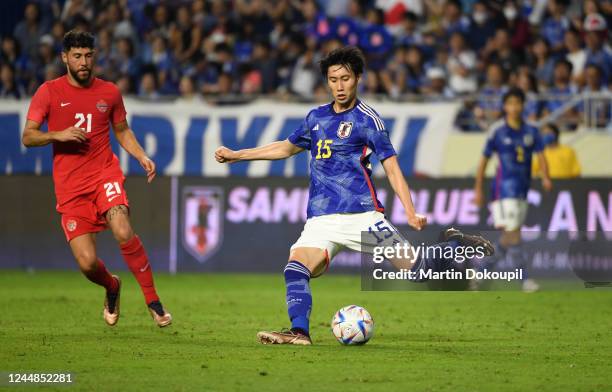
(556, 51)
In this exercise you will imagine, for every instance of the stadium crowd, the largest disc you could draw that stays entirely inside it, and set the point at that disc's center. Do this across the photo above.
(227, 51)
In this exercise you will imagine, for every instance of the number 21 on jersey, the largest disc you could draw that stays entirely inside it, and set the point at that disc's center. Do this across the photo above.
(324, 151)
(82, 117)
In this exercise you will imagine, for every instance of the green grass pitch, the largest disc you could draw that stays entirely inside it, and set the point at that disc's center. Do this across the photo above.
(424, 341)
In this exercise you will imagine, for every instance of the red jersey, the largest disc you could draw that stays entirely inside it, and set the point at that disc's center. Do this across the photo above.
(79, 167)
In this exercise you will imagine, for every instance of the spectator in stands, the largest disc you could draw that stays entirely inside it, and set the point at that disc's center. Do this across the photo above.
(500, 51)
(188, 92)
(185, 36)
(461, 65)
(555, 25)
(561, 160)
(561, 93)
(416, 76)
(595, 109)
(124, 60)
(408, 34)
(436, 88)
(104, 55)
(52, 71)
(9, 87)
(575, 54)
(29, 30)
(265, 63)
(527, 82)
(75, 11)
(305, 74)
(598, 51)
(517, 26)
(375, 39)
(489, 106)
(115, 19)
(124, 84)
(250, 82)
(541, 62)
(393, 77)
(317, 25)
(226, 85)
(453, 19)
(346, 29)
(161, 57)
(9, 50)
(46, 56)
(57, 32)
(148, 87)
(482, 26)
(371, 84)
(270, 36)
(161, 22)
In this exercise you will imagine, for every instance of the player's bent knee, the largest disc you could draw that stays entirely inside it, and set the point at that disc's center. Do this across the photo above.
(123, 233)
(312, 258)
(87, 261)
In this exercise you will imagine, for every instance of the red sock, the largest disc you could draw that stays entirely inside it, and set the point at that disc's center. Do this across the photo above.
(101, 276)
(135, 257)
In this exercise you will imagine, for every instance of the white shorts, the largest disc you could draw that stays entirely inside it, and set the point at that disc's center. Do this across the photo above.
(509, 214)
(335, 232)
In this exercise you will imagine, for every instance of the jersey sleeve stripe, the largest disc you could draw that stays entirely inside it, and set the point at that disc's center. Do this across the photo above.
(377, 121)
(370, 111)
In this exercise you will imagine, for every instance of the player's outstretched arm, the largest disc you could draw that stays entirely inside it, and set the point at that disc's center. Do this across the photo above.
(478, 195)
(128, 141)
(269, 152)
(546, 183)
(400, 187)
(34, 137)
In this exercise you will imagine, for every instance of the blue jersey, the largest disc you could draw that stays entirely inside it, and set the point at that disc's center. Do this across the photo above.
(514, 148)
(340, 146)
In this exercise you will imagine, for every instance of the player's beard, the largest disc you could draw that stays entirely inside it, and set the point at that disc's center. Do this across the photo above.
(78, 79)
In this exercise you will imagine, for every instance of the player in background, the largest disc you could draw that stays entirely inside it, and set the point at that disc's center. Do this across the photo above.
(78, 108)
(515, 142)
(342, 204)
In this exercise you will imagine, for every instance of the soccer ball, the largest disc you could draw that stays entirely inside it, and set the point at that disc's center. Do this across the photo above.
(352, 325)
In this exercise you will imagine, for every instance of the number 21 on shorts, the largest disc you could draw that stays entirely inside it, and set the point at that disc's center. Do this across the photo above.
(113, 190)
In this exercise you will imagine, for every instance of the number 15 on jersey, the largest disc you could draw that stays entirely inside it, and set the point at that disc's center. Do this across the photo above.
(324, 151)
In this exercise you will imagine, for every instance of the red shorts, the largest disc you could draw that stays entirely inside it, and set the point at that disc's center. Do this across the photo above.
(86, 213)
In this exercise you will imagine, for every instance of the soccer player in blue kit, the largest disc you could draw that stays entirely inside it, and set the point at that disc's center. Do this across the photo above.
(341, 136)
(515, 142)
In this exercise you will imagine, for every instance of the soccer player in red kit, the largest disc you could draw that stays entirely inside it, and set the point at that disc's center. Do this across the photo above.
(78, 108)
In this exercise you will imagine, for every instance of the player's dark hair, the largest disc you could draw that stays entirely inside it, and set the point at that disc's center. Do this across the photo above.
(78, 39)
(514, 92)
(349, 57)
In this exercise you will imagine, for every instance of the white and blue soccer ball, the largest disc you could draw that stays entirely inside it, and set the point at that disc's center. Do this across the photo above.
(352, 325)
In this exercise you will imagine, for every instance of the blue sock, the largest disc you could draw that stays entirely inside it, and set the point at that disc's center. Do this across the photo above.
(299, 299)
(433, 261)
(518, 258)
